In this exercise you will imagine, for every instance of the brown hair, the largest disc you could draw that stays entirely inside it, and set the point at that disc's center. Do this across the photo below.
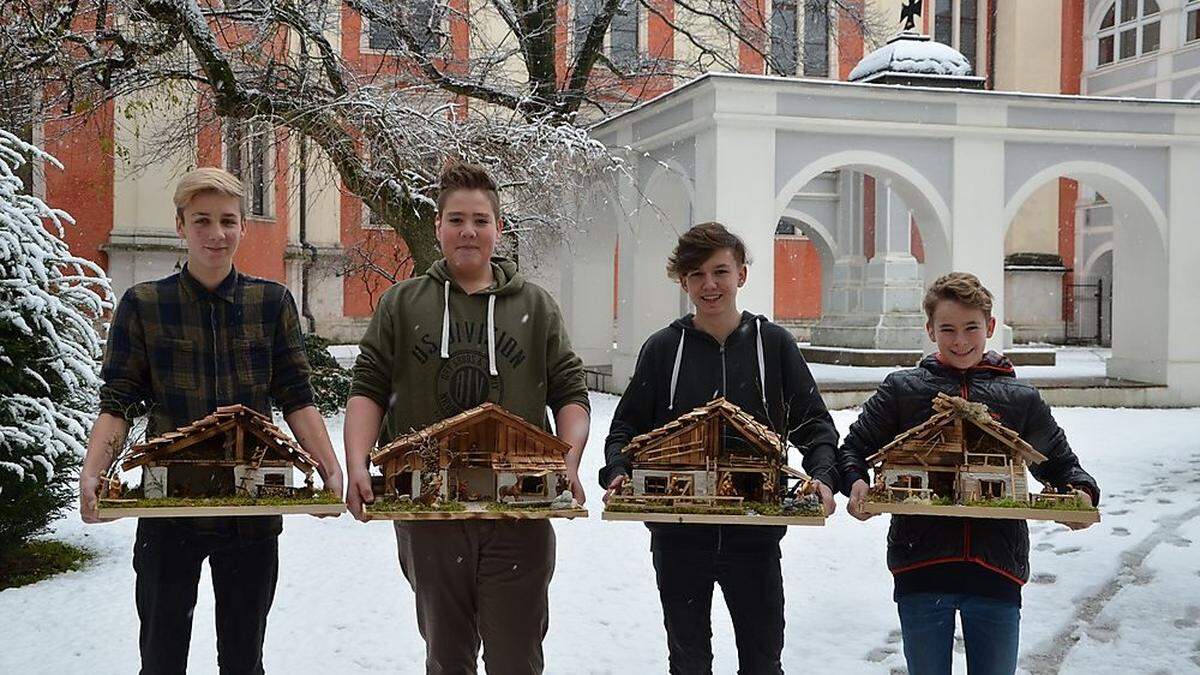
(961, 287)
(208, 179)
(458, 175)
(699, 244)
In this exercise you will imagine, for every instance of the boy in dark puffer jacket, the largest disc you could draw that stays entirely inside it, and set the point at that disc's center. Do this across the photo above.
(940, 564)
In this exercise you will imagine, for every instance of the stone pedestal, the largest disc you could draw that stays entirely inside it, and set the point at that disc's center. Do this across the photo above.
(876, 305)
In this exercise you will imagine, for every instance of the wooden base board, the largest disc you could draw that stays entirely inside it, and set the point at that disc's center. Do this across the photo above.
(112, 513)
(479, 511)
(712, 518)
(911, 509)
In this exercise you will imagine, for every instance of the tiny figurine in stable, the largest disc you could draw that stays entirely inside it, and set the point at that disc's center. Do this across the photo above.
(232, 462)
(962, 462)
(717, 465)
(482, 463)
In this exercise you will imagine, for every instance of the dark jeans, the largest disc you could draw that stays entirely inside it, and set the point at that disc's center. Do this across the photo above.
(753, 589)
(991, 632)
(244, 570)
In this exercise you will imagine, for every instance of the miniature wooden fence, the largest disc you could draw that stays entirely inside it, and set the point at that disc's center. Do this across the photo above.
(905, 493)
(678, 500)
(1054, 497)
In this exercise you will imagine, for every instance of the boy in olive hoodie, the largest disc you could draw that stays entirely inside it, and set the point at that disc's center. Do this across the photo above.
(469, 330)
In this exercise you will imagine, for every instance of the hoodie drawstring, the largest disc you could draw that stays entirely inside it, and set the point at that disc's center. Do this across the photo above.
(762, 367)
(446, 322)
(491, 327)
(675, 370)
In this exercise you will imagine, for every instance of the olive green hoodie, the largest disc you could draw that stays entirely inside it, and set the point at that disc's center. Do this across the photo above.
(433, 351)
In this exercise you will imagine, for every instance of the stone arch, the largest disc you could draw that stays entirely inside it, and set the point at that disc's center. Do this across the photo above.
(667, 169)
(823, 240)
(1103, 177)
(1090, 263)
(1140, 264)
(814, 229)
(1093, 21)
(930, 209)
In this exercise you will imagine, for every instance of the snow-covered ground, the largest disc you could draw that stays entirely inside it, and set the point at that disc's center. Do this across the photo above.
(1071, 363)
(1120, 597)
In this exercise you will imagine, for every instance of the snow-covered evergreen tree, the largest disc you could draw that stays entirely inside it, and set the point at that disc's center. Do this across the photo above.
(51, 303)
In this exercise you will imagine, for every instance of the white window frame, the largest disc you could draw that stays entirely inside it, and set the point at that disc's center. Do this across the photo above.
(1122, 24)
(980, 63)
(364, 35)
(243, 171)
(799, 42)
(1189, 7)
(639, 42)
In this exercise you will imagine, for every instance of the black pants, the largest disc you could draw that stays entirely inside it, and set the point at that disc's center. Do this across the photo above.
(244, 571)
(753, 589)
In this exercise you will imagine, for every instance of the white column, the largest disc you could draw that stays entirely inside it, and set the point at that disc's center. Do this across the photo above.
(587, 264)
(977, 227)
(735, 185)
(844, 295)
(1183, 251)
(647, 299)
(892, 284)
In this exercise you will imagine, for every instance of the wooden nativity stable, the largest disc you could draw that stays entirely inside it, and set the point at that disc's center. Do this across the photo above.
(964, 455)
(715, 458)
(484, 458)
(235, 452)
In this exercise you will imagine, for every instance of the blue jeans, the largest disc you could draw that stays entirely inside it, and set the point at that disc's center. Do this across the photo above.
(991, 632)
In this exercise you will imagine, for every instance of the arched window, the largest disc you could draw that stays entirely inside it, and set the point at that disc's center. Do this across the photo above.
(1130, 28)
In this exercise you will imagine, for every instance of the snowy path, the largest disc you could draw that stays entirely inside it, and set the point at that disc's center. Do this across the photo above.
(1121, 597)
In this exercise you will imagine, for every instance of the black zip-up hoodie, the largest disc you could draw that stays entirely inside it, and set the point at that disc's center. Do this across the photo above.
(961, 555)
(681, 368)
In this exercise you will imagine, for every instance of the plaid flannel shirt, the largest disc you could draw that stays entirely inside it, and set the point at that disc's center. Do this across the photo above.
(176, 351)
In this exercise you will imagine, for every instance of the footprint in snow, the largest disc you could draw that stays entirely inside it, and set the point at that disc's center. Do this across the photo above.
(1067, 550)
(1190, 619)
(1120, 532)
(879, 654)
(1044, 578)
(1044, 546)
(1118, 512)
(1164, 500)
(1103, 632)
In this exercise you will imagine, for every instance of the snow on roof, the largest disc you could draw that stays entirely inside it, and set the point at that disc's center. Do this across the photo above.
(912, 53)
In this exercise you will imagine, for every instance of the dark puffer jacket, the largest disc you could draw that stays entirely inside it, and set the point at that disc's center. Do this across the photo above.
(904, 400)
(759, 369)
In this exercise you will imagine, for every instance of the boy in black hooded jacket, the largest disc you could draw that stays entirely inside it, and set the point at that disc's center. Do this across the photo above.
(940, 564)
(756, 365)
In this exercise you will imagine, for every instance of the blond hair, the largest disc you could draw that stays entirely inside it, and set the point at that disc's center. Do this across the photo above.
(962, 287)
(207, 179)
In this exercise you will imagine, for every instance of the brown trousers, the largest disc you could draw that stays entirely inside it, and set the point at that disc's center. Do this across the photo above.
(480, 580)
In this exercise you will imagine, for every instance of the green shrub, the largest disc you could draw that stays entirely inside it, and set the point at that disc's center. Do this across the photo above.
(330, 381)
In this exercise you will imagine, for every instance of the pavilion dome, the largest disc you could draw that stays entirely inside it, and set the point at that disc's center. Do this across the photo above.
(912, 54)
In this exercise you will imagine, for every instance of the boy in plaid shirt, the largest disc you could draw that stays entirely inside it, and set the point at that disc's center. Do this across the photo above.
(177, 349)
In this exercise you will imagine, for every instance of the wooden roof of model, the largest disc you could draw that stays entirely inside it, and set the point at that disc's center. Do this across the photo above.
(949, 408)
(753, 430)
(553, 458)
(225, 419)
